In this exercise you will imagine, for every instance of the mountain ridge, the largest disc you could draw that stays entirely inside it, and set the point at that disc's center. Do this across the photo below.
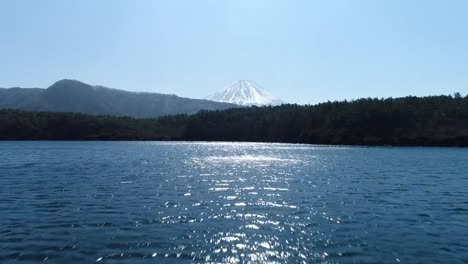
(68, 95)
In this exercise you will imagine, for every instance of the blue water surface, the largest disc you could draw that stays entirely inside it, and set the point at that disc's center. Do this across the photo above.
(166, 202)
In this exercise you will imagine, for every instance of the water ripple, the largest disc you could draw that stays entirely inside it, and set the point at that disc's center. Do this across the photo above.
(161, 202)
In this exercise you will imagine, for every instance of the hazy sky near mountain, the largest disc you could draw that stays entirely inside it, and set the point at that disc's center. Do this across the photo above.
(302, 51)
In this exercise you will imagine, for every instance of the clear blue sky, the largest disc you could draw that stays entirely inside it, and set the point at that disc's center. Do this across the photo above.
(302, 51)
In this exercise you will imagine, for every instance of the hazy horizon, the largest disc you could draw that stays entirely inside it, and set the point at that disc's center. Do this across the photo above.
(300, 51)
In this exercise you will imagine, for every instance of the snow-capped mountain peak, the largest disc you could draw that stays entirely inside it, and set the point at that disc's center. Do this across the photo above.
(246, 93)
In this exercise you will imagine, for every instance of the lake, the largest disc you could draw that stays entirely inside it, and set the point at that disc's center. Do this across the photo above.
(166, 202)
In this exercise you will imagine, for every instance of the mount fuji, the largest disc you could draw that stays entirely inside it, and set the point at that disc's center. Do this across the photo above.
(246, 93)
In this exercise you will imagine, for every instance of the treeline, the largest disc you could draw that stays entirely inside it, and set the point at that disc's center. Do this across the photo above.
(409, 121)
(20, 125)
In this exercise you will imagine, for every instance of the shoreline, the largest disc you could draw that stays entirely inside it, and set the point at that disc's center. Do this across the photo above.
(232, 142)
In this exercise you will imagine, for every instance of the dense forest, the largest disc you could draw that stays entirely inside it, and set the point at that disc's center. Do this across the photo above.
(408, 121)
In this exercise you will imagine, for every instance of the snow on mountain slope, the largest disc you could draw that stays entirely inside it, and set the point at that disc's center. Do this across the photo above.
(244, 93)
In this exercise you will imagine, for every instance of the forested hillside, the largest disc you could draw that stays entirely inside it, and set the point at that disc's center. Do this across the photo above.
(426, 121)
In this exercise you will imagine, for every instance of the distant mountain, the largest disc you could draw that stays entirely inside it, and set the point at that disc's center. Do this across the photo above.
(245, 93)
(75, 96)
